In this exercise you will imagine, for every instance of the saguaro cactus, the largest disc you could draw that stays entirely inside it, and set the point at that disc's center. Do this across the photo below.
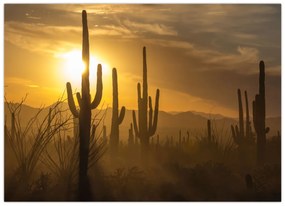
(147, 120)
(209, 129)
(116, 118)
(84, 113)
(241, 137)
(131, 136)
(258, 108)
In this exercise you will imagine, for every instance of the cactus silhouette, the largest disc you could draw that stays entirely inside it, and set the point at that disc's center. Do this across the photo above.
(84, 114)
(258, 108)
(180, 139)
(242, 137)
(209, 128)
(116, 118)
(147, 120)
(188, 137)
(131, 136)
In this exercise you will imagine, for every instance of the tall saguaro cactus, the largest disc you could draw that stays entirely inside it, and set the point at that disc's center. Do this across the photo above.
(258, 106)
(242, 137)
(84, 113)
(147, 119)
(116, 118)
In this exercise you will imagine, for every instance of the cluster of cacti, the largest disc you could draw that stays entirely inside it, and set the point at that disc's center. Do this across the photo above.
(184, 140)
(258, 109)
(147, 119)
(116, 118)
(240, 136)
(85, 104)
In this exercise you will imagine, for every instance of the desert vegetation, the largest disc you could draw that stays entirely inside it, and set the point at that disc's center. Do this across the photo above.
(69, 154)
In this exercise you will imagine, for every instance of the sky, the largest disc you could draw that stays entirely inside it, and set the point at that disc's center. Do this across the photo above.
(198, 55)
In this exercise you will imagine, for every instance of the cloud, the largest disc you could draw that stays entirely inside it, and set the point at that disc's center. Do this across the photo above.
(243, 55)
(171, 43)
(19, 81)
(40, 37)
(155, 28)
(206, 51)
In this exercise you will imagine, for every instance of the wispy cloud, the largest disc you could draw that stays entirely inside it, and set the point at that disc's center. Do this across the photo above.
(19, 81)
(216, 46)
(154, 28)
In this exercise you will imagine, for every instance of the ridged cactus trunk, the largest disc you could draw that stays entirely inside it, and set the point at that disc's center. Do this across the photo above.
(258, 107)
(75, 127)
(84, 113)
(147, 119)
(116, 118)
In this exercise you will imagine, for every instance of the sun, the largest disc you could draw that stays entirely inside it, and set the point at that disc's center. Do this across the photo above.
(74, 67)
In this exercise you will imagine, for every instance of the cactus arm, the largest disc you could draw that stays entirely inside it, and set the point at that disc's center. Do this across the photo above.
(155, 118)
(150, 113)
(122, 115)
(79, 100)
(70, 101)
(241, 123)
(135, 125)
(247, 123)
(99, 89)
(139, 92)
(233, 133)
(254, 112)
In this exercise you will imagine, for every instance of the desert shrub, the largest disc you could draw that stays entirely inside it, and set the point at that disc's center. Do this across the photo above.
(28, 142)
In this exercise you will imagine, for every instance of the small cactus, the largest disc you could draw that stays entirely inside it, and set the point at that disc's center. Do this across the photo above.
(131, 136)
(209, 129)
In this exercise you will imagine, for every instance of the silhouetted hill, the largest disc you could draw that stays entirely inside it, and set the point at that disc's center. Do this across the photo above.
(169, 124)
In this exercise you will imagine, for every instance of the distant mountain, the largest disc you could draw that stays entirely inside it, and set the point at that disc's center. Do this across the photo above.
(209, 116)
(169, 124)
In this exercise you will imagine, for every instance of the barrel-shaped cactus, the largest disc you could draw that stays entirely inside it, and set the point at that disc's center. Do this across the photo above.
(84, 113)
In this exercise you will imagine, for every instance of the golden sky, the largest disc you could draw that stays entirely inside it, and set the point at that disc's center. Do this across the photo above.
(198, 55)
